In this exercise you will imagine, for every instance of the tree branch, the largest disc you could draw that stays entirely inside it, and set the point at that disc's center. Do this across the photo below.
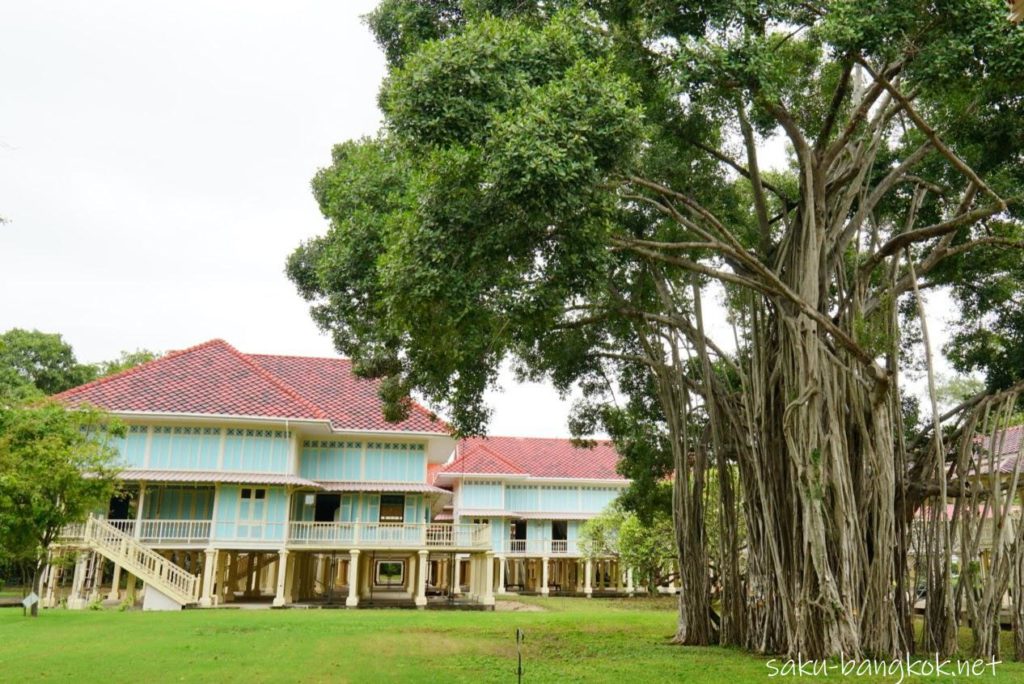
(895, 244)
(930, 133)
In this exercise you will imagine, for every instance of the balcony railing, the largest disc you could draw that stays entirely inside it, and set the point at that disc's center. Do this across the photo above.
(184, 531)
(150, 531)
(541, 547)
(430, 535)
(344, 534)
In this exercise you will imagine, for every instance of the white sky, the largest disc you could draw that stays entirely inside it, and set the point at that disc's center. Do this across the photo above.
(155, 161)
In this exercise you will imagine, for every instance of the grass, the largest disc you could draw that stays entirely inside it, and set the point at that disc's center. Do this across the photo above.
(573, 640)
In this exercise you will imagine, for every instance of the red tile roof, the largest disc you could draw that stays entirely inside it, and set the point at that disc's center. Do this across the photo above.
(477, 459)
(1008, 451)
(351, 402)
(536, 457)
(214, 378)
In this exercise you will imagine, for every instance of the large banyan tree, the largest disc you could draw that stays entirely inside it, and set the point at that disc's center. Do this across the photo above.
(569, 184)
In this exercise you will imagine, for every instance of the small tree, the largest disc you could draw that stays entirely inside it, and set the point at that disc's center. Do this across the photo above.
(56, 465)
(646, 548)
(599, 536)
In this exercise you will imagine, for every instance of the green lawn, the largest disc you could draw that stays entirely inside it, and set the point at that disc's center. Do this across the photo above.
(574, 640)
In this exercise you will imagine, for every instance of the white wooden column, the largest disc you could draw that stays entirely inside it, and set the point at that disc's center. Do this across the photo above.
(209, 577)
(282, 574)
(488, 597)
(421, 580)
(544, 590)
(52, 577)
(353, 579)
(318, 577)
(77, 580)
(457, 575)
(115, 584)
(129, 588)
(232, 583)
(97, 576)
(289, 581)
(137, 532)
(629, 581)
(501, 574)
(587, 574)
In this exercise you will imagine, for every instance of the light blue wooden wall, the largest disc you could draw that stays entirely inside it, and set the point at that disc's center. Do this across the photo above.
(132, 447)
(204, 448)
(558, 499)
(595, 500)
(227, 511)
(521, 498)
(481, 495)
(256, 451)
(269, 514)
(394, 462)
(178, 503)
(499, 532)
(349, 508)
(362, 461)
(331, 460)
(277, 510)
(184, 448)
(369, 509)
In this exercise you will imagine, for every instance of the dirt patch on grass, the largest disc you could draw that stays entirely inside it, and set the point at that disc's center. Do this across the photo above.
(517, 607)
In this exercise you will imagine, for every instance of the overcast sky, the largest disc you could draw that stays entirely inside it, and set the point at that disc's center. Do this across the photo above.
(155, 161)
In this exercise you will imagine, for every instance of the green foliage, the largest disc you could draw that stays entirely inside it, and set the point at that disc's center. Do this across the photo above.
(989, 335)
(125, 361)
(952, 390)
(42, 360)
(464, 229)
(648, 548)
(489, 200)
(55, 467)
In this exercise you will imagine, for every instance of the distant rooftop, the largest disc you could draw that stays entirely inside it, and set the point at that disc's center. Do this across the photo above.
(534, 457)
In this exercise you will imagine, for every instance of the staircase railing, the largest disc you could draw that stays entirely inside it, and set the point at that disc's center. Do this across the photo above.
(151, 567)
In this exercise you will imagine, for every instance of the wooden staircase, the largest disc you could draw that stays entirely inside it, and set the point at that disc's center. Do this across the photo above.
(156, 571)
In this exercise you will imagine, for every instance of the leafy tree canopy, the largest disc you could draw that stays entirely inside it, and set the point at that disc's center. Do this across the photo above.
(478, 222)
(125, 361)
(42, 360)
